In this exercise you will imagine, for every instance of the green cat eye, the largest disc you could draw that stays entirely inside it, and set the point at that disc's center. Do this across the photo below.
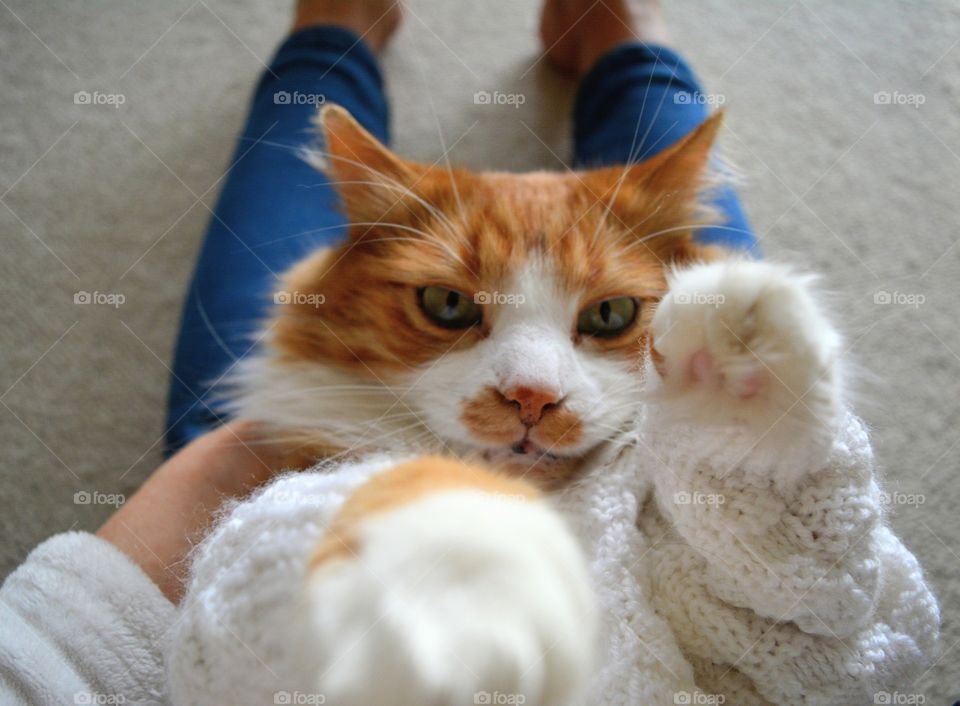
(608, 318)
(449, 308)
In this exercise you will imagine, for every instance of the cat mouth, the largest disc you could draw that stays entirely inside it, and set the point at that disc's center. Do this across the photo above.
(531, 449)
(525, 455)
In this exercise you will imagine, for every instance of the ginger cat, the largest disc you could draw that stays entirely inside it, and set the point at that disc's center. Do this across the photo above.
(503, 315)
(573, 457)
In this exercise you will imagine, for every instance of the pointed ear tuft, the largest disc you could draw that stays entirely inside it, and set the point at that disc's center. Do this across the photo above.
(368, 177)
(346, 141)
(683, 166)
(661, 196)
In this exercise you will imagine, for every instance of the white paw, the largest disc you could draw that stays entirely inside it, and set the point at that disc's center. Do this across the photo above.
(746, 342)
(461, 597)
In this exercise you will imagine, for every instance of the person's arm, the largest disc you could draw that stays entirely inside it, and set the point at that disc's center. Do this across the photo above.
(84, 618)
(174, 508)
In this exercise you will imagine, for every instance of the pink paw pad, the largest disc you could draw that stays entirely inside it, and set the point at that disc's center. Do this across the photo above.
(703, 370)
(750, 384)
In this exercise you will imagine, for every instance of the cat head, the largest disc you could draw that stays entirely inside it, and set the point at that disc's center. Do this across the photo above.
(499, 314)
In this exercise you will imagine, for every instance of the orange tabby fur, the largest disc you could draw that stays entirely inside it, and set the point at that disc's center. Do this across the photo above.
(404, 484)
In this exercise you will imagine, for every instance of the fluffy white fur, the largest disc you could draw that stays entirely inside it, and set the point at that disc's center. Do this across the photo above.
(451, 596)
(746, 343)
(454, 595)
(734, 536)
(300, 398)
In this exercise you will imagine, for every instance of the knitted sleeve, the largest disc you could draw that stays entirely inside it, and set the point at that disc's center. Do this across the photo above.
(799, 586)
(805, 551)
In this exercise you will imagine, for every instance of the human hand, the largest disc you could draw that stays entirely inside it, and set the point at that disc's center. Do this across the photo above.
(169, 514)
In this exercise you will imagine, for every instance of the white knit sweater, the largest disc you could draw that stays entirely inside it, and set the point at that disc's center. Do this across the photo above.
(759, 590)
(731, 583)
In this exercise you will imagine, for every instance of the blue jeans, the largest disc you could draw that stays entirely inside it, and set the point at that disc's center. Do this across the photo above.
(274, 208)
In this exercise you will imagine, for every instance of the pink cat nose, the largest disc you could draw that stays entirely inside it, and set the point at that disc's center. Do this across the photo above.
(533, 401)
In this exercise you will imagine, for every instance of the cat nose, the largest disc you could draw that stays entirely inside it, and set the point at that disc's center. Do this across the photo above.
(532, 401)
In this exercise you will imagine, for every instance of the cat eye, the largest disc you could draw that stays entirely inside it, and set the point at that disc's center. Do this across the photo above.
(449, 308)
(608, 318)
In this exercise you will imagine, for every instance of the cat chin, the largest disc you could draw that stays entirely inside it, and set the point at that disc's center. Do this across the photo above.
(533, 464)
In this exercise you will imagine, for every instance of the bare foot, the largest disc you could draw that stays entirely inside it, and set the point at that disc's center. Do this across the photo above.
(374, 20)
(576, 33)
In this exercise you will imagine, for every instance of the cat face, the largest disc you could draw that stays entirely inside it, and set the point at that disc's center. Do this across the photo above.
(499, 314)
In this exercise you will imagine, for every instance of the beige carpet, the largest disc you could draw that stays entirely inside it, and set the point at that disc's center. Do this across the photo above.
(113, 199)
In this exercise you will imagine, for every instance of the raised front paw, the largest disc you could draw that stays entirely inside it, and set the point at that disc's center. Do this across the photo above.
(746, 342)
(443, 583)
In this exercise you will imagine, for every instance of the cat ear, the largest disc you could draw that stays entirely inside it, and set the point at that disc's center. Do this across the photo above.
(675, 176)
(662, 193)
(680, 169)
(369, 178)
